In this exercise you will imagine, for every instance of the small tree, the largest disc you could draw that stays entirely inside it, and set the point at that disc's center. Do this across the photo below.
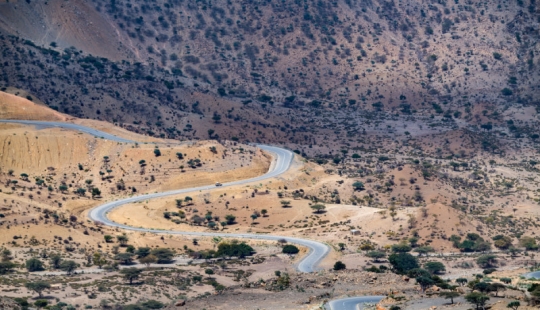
(163, 255)
(483, 287)
(108, 238)
(34, 264)
(38, 287)
(157, 152)
(376, 255)
(435, 267)
(514, 305)
(148, 260)
(477, 299)
(124, 258)
(424, 282)
(358, 186)
(487, 261)
(99, 260)
(6, 267)
(122, 239)
(529, 243)
(230, 219)
(450, 295)
(496, 287)
(462, 281)
(80, 191)
(6, 255)
(131, 274)
(403, 262)
(55, 261)
(264, 212)
(318, 207)
(502, 242)
(143, 252)
(339, 266)
(68, 266)
(424, 250)
(96, 192)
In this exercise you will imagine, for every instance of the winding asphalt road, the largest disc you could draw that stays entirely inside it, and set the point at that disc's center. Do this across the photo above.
(282, 162)
(534, 274)
(88, 130)
(352, 303)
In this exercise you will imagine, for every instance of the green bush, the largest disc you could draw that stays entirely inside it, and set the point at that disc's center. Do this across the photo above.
(290, 249)
(34, 264)
(339, 266)
(507, 92)
(403, 262)
(234, 248)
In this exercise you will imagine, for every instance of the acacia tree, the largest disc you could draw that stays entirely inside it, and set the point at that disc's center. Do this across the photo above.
(131, 274)
(450, 295)
(424, 282)
(477, 299)
(125, 258)
(148, 260)
(496, 287)
(34, 264)
(376, 255)
(514, 305)
(435, 267)
(38, 287)
(461, 281)
(55, 261)
(403, 262)
(122, 239)
(68, 266)
(163, 255)
(318, 207)
(99, 260)
(424, 250)
(487, 261)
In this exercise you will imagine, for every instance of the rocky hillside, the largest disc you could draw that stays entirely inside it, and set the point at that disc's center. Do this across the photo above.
(265, 70)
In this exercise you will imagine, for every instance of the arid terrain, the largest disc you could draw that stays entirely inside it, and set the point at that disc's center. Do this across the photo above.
(414, 125)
